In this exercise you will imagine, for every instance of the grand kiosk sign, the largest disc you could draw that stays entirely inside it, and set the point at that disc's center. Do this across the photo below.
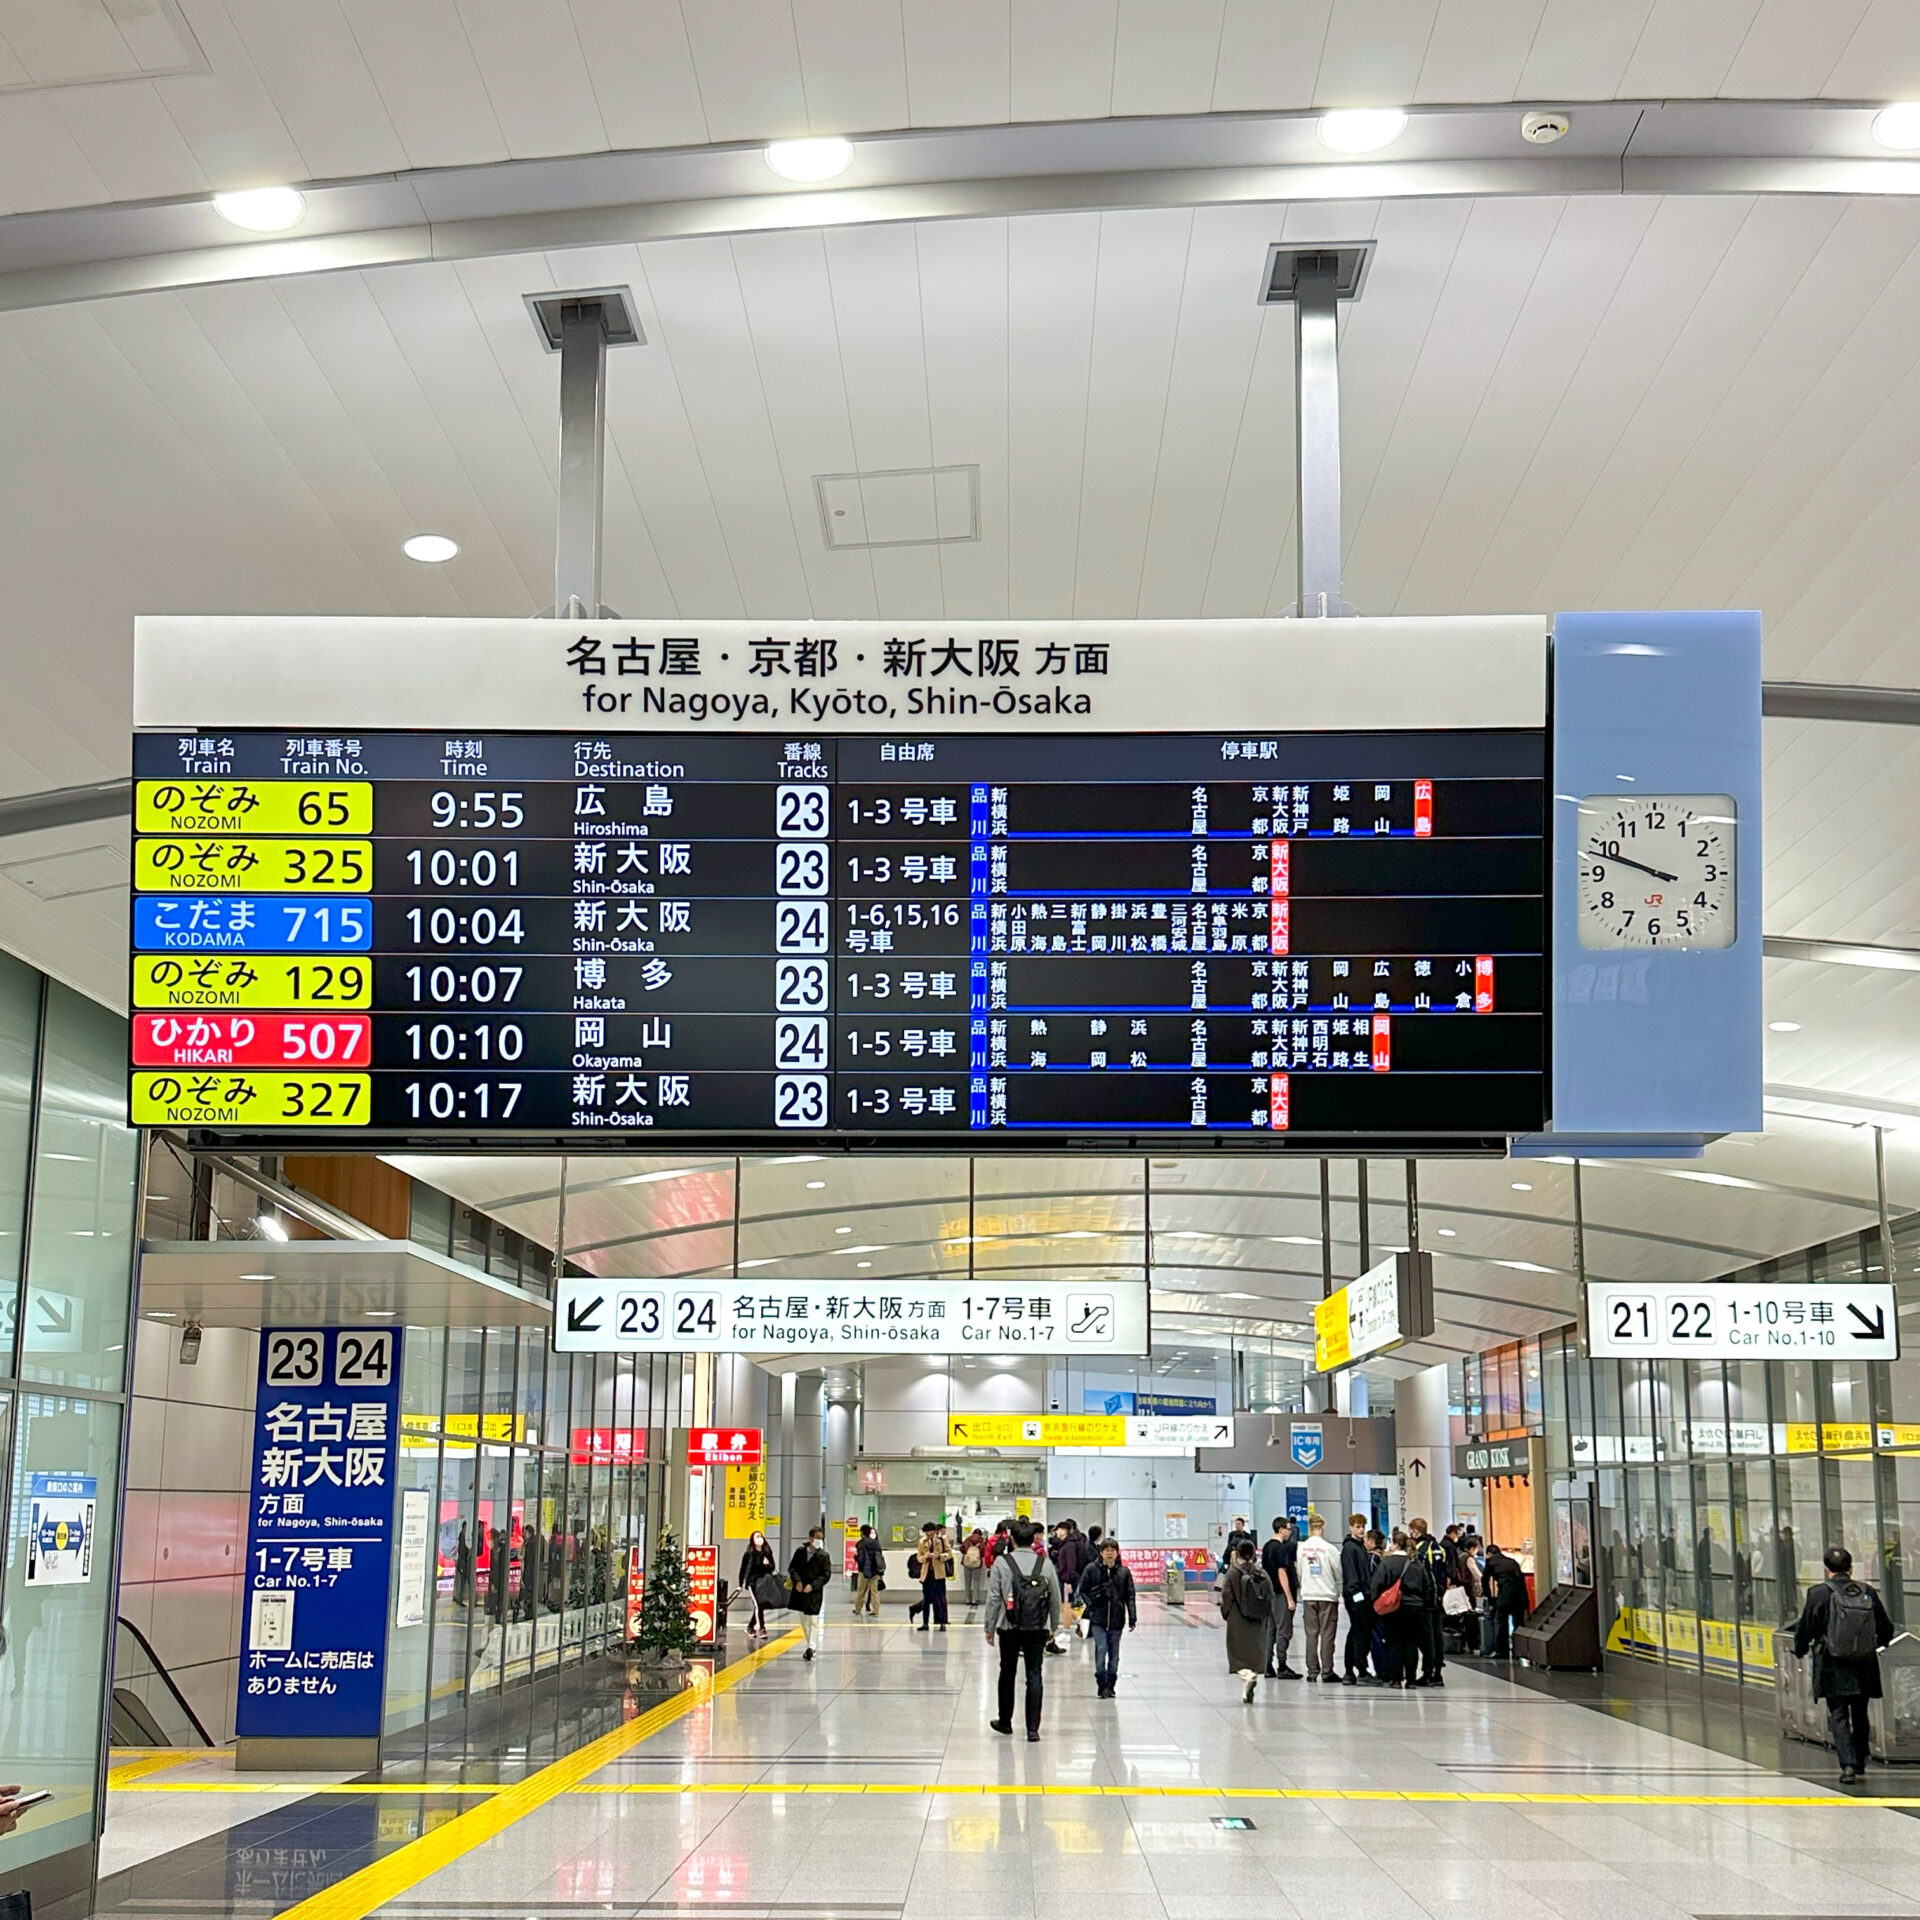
(1051, 884)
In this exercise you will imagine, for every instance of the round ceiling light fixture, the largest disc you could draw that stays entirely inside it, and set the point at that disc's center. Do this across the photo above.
(810, 159)
(1898, 126)
(261, 209)
(814, 1186)
(430, 549)
(1783, 1026)
(1361, 129)
(1522, 1186)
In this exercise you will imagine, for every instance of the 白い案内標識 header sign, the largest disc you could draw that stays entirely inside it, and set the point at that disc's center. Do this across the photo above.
(838, 1316)
(1743, 1320)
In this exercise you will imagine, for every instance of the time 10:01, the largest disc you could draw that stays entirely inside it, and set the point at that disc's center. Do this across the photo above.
(482, 867)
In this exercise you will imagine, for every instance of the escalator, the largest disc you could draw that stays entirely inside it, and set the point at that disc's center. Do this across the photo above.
(148, 1710)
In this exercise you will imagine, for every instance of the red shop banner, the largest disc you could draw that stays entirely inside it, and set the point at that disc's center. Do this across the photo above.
(726, 1447)
(608, 1446)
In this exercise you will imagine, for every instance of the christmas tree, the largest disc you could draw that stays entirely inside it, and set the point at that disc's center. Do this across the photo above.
(666, 1627)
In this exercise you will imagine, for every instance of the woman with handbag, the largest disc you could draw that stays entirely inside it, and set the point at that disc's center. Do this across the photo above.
(755, 1564)
(1395, 1626)
(973, 1563)
(936, 1569)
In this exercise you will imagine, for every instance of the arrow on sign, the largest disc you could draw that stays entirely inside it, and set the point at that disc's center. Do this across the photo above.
(1223, 1432)
(1416, 1466)
(61, 1321)
(959, 1430)
(580, 1319)
(1874, 1329)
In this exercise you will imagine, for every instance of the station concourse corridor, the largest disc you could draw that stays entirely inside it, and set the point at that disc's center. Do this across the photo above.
(868, 1785)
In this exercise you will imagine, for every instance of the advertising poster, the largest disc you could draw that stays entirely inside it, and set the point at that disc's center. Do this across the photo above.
(410, 1595)
(703, 1589)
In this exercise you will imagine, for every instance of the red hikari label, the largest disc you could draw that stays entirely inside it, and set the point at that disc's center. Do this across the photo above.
(319, 1041)
(1279, 869)
(1279, 916)
(1423, 809)
(1278, 1101)
(1483, 983)
(1382, 1042)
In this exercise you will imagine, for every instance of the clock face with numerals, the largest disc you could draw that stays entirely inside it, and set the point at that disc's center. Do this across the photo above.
(1657, 870)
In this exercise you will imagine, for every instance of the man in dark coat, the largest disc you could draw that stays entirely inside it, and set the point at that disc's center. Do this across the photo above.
(1508, 1606)
(1846, 1683)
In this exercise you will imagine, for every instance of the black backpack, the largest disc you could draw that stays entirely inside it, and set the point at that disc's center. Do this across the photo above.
(1029, 1604)
(1852, 1632)
(1255, 1598)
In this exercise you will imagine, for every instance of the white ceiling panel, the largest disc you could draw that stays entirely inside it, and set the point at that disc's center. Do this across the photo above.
(311, 64)
(1063, 58)
(1477, 50)
(1269, 54)
(746, 57)
(1373, 52)
(1164, 51)
(641, 64)
(430, 86)
(853, 64)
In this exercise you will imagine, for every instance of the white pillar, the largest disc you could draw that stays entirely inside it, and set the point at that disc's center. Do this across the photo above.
(1423, 1437)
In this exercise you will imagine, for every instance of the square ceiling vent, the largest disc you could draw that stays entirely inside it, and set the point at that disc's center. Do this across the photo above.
(78, 43)
(59, 876)
(899, 507)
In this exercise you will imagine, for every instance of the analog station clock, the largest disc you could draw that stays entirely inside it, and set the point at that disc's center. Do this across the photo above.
(1657, 870)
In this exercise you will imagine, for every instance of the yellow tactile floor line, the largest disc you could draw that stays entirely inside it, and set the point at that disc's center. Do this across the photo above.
(387, 1878)
(1500, 1797)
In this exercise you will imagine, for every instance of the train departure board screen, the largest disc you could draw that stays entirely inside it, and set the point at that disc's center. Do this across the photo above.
(904, 937)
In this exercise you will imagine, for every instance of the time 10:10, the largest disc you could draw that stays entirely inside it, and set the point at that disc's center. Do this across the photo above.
(440, 1041)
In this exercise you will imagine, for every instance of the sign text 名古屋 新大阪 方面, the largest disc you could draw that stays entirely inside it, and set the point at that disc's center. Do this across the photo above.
(851, 1317)
(621, 884)
(1743, 1320)
(1388, 1304)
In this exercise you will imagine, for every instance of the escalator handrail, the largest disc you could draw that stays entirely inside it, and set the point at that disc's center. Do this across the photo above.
(159, 1667)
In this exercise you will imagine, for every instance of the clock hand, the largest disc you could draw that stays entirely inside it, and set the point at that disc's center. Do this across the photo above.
(1620, 860)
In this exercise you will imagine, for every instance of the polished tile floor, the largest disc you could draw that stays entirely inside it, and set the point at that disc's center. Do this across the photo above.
(868, 1785)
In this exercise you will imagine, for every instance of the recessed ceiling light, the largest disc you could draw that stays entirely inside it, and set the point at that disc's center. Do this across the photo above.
(1447, 1233)
(430, 549)
(814, 1186)
(261, 209)
(1783, 1026)
(1523, 1186)
(256, 1276)
(1898, 126)
(1362, 129)
(1240, 1296)
(863, 1263)
(843, 1229)
(810, 159)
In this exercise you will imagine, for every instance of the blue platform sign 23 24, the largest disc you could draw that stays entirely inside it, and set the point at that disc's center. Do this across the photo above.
(319, 1534)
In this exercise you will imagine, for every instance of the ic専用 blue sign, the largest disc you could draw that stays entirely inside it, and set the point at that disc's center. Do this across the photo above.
(1308, 1444)
(319, 1534)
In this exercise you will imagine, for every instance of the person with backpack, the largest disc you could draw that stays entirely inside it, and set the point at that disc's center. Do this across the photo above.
(1390, 1611)
(1023, 1615)
(1507, 1585)
(973, 1563)
(1420, 1590)
(1844, 1625)
(1246, 1604)
(869, 1573)
(1109, 1609)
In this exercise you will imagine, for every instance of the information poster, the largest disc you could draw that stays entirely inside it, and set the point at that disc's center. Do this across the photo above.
(410, 1594)
(60, 1531)
(746, 1508)
(319, 1534)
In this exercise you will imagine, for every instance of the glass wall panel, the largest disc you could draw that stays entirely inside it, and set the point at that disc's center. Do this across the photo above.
(80, 1225)
(19, 1040)
(53, 1680)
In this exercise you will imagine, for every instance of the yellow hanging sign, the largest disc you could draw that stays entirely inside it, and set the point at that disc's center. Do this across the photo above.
(746, 1502)
(1036, 1430)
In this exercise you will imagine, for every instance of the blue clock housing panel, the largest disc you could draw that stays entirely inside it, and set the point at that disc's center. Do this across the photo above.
(1659, 1047)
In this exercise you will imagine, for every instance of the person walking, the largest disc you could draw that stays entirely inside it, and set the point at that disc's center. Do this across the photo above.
(755, 1564)
(1356, 1595)
(1246, 1604)
(869, 1573)
(1508, 1603)
(1389, 1600)
(1110, 1609)
(1420, 1593)
(936, 1569)
(1023, 1615)
(1319, 1563)
(1844, 1626)
(809, 1571)
(1071, 1558)
(1279, 1560)
(973, 1566)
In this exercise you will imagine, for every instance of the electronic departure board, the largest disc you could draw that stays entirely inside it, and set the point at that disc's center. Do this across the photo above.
(910, 935)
